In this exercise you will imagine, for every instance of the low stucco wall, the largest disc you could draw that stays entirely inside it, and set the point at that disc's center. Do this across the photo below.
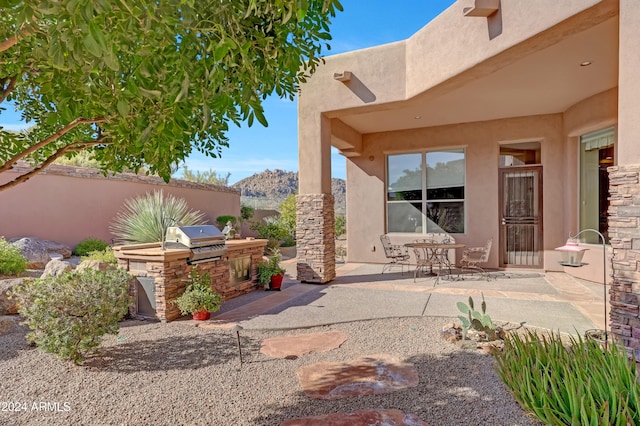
(68, 204)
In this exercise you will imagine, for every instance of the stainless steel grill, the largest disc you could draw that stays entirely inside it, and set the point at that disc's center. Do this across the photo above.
(206, 242)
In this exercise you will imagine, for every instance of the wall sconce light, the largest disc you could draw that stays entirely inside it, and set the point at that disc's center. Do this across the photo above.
(572, 256)
(342, 76)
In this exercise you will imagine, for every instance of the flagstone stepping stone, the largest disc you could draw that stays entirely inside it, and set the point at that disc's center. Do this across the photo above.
(301, 344)
(359, 418)
(368, 375)
(215, 325)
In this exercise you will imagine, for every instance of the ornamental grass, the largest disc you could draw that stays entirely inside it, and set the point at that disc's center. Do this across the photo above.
(570, 383)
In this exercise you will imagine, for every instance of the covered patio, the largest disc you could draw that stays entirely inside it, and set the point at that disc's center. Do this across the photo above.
(516, 124)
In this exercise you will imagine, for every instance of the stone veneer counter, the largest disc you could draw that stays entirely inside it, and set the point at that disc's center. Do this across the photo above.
(162, 275)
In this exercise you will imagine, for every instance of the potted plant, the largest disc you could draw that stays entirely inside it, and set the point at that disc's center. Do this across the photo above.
(270, 272)
(199, 299)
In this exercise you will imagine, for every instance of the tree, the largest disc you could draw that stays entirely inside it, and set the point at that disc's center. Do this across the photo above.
(210, 176)
(143, 83)
(288, 215)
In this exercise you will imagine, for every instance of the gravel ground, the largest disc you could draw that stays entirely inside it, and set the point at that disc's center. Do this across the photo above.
(179, 374)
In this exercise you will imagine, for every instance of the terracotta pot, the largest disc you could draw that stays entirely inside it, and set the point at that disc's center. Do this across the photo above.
(201, 316)
(276, 282)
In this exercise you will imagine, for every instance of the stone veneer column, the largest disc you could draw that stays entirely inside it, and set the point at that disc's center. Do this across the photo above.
(624, 235)
(315, 238)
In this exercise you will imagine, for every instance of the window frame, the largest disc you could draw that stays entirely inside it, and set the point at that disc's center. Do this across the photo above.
(424, 200)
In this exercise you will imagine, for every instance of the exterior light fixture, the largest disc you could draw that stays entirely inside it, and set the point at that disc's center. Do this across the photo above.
(571, 253)
(572, 256)
(342, 76)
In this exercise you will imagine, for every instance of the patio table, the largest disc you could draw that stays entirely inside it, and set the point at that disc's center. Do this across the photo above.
(434, 253)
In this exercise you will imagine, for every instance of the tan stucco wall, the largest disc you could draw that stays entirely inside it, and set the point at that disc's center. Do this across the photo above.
(69, 209)
(629, 83)
(437, 46)
(366, 180)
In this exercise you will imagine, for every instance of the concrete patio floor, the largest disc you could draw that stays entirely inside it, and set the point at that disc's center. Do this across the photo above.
(551, 300)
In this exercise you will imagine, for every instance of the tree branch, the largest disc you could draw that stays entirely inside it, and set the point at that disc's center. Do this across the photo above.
(9, 163)
(12, 41)
(6, 90)
(76, 146)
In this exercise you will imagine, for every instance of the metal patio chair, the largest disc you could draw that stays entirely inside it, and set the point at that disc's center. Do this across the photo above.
(472, 257)
(397, 254)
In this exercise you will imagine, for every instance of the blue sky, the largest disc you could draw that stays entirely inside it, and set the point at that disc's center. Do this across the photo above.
(363, 23)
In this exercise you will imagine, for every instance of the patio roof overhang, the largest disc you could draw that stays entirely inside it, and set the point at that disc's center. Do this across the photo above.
(547, 74)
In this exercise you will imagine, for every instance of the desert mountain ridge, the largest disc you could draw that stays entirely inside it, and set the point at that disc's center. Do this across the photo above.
(271, 187)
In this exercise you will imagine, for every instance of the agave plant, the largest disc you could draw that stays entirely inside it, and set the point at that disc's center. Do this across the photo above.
(145, 219)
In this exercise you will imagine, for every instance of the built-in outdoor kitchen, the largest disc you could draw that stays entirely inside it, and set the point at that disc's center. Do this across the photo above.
(162, 269)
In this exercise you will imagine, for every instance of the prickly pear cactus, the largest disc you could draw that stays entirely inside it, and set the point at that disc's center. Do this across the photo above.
(479, 321)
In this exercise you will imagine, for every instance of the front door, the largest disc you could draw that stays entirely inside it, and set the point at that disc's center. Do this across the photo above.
(521, 216)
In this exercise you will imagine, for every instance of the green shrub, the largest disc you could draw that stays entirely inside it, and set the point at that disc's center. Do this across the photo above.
(145, 219)
(246, 212)
(271, 230)
(12, 262)
(107, 255)
(68, 315)
(340, 226)
(198, 296)
(88, 245)
(288, 216)
(576, 384)
(221, 221)
(271, 267)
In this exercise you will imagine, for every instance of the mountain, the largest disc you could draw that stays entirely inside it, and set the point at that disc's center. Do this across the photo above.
(271, 187)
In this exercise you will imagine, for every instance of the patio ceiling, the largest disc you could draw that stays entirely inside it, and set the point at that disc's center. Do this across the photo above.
(547, 81)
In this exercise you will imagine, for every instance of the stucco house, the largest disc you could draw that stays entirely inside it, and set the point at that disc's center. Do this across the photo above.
(510, 120)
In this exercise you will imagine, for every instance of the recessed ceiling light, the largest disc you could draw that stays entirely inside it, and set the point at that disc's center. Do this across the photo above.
(417, 117)
(585, 63)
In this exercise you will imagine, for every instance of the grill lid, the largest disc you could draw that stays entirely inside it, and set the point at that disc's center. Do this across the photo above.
(195, 235)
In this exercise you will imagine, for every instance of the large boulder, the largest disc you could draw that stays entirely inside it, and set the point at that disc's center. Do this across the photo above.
(38, 252)
(8, 306)
(10, 324)
(56, 267)
(54, 247)
(94, 264)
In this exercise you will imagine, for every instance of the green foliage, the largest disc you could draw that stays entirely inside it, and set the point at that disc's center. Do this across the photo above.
(143, 83)
(79, 159)
(88, 245)
(221, 221)
(288, 215)
(198, 296)
(68, 315)
(576, 384)
(271, 267)
(210, 176)
(246, 212)
(107, 255)
(270, 230)
(12, 262)
(145, 219)
(479, 321)
(340, 225)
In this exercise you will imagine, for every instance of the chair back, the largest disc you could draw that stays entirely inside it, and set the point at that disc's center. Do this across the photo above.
(487, 251)
(386, 245)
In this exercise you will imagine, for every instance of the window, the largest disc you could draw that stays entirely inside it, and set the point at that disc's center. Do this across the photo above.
(425, 192)
(596, 154)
